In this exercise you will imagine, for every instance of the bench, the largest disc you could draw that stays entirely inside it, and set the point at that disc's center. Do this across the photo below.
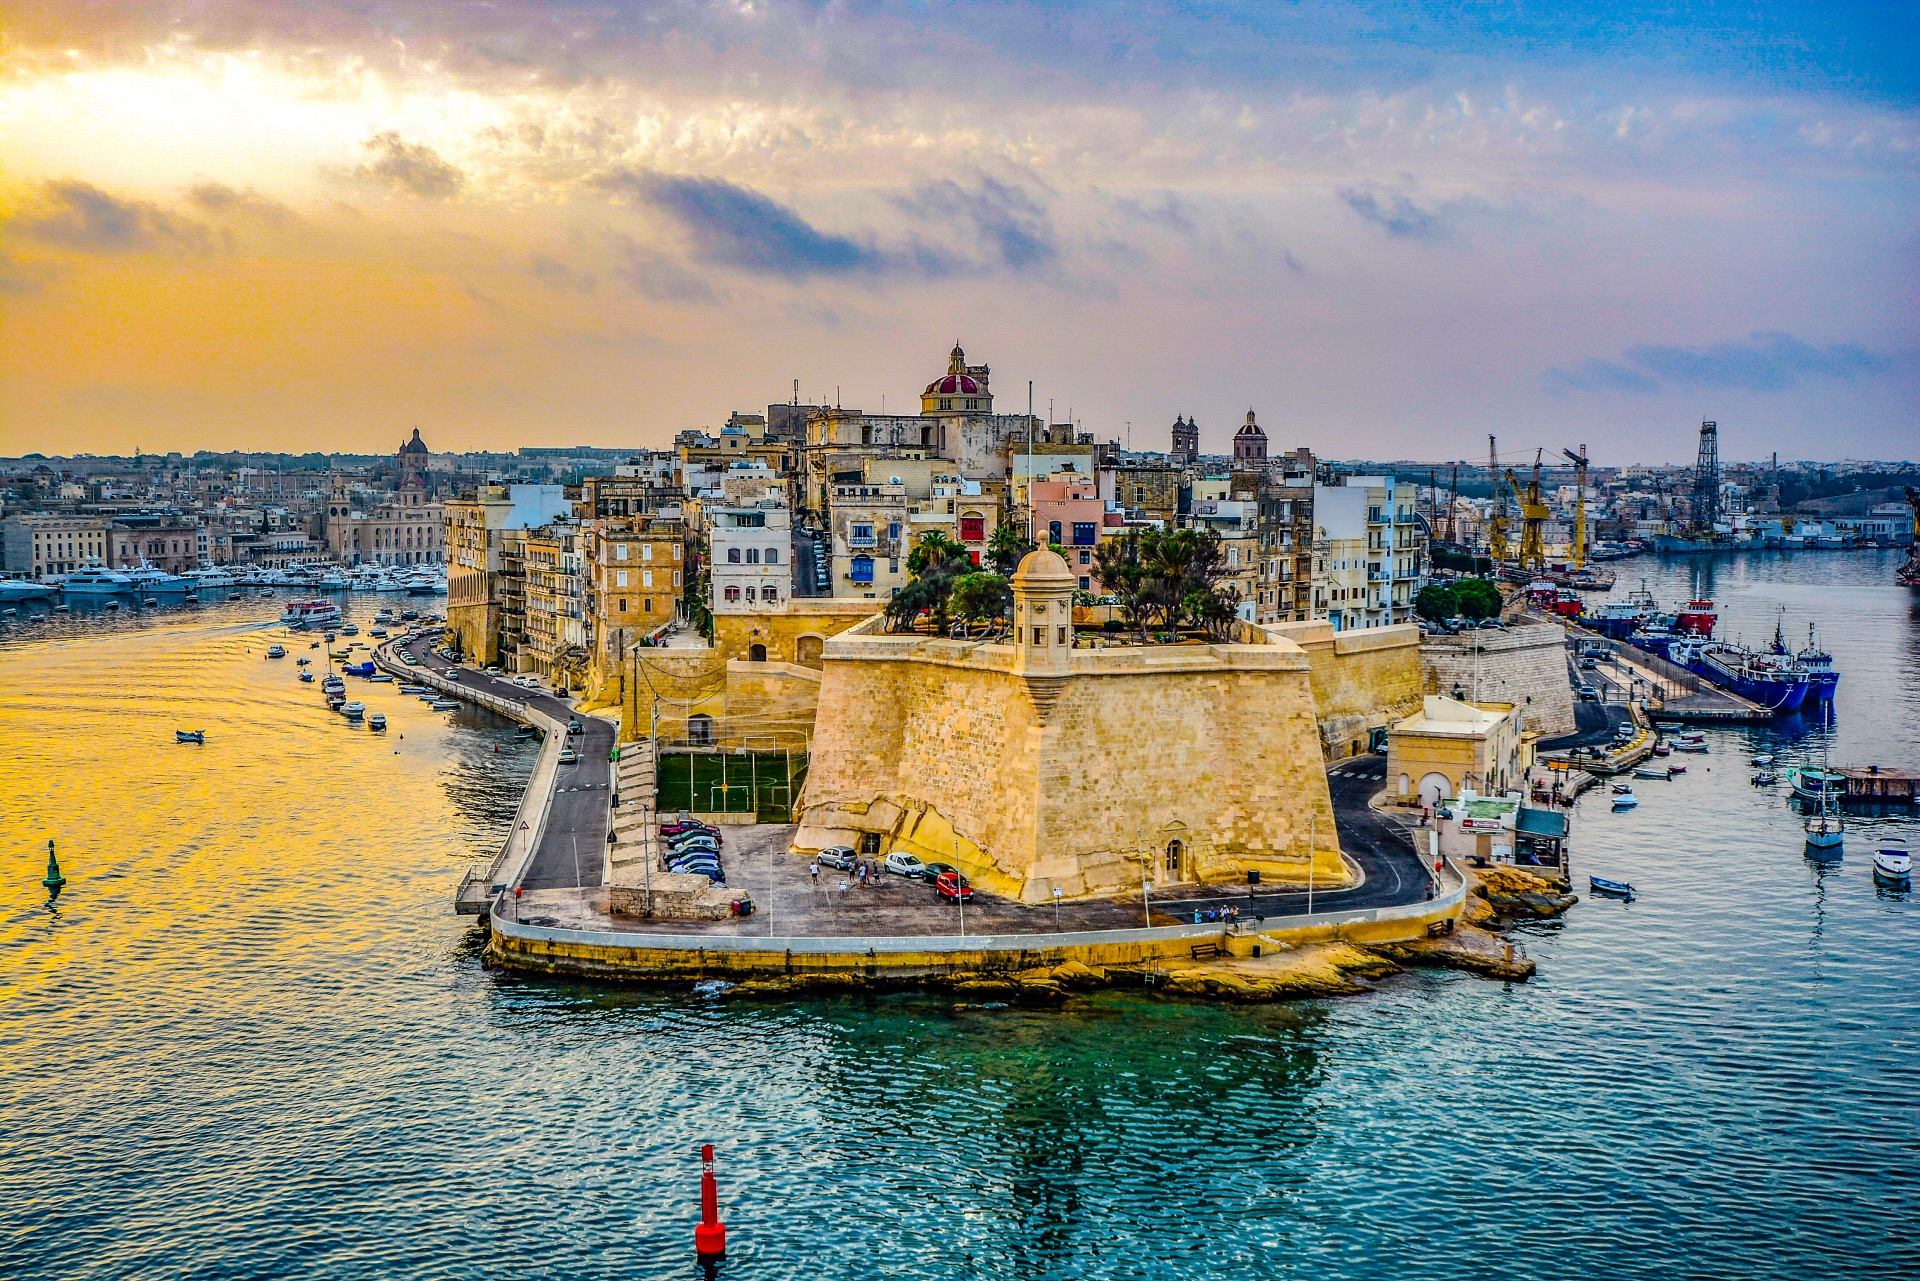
(1203, 950)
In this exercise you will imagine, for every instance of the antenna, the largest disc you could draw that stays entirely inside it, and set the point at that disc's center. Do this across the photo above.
(1030, 455)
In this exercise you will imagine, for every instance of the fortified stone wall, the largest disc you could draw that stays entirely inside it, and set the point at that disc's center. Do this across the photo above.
(796, 634)
(1362, 680)
(756, 705)
(938, 748)
(1525, 665)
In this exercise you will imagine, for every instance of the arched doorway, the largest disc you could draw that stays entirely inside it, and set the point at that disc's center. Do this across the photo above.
(700, 729)
(1434, 788)
(1176, 859)
(807, 650)
(756, 653)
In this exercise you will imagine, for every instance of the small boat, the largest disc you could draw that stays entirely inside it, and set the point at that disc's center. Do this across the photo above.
(191, 595)
(1626, 802)
(1691, 738)
(235, 596)
(349, 630)
(1765, 778)
(331, 637)
(444, 704)
(1676, 769)
(1659, 774)
(1892, 862)
(377, 632)
(1623, 789)
(63, 609)
(190, 736)
(1826, 830)
(1618, 889)
(301, 662)
(409, 614)
(377, 721)
(354, 709)
(1689, 747)
(1763, 759)
(278, 651)
(381, 678)
(526, 731)
(307, 677)
(314, 645)
(1662, 750)
(416, 689)
(149, 602)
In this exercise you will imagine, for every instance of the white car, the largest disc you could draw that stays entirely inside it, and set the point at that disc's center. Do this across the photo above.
(568, 756)
(527, 682)
(904, 865)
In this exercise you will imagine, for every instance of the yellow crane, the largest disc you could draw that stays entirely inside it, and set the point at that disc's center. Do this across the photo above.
(1533, 519)
(1579, 506)
(1497, 516)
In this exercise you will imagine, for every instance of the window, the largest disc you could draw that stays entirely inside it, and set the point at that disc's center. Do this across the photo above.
(1086, 557)
(1174, 851)
(863, 569)
(893, 530)
(700, 730)
(676, 551)
(753, 555)
(733, 555)
(1039, 635)
(619, 578)
(646, 551)
(623, 604)
(646, 578)
(1086, 584)
(973, 529)
(773, 555)
(1053, 531)
(676, 578)
(862, 536)
(770, 593)
(732, 594)
(1139, 495)
(646, 604)
(1083, 533)
(1063, 635)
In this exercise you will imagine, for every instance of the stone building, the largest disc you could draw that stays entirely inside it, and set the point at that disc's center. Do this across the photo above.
(1035, 765)
(1186, 443)
(1249, 445)
(168, 543)
(556, 632)
(868, 527)
(479, 568)
(1525, 665)
(750, 556)
(1449, 746)
(40, 545)
(1284, 592)
(405, 527)
(636, 585)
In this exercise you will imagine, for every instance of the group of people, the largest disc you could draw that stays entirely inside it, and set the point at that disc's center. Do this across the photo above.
(1228, 913)
(863, 872)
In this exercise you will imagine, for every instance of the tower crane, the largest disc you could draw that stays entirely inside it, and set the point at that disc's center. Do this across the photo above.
(1496, 517)
(1579, 506)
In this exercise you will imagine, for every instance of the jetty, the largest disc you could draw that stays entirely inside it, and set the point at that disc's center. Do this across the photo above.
(1669, 691)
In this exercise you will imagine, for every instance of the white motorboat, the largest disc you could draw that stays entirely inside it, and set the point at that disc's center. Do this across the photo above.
(377, 721)
(333, 581)
(157, 582)
(19, 589)
(95, 579)
(1892, 862)
(1625, 801)
(310, 613)
(354, 709)
(278, 651)
(208, 576)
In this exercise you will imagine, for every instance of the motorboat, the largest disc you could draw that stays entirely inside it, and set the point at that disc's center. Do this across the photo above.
(377, 721)
(158, 582)
(333, 581)
(1763, 759)
(1684, 746)
(1892, 861)
(211, 576)
(415, 689)
(1659, 774)
(190, 736)
(20, 589)
(380, 678)
(353, 709)
(236, 596)
(302, 662)
(379, 633)
(444, 704)
(95, 579)
(277, 650)
(1615, 889)
(1623, 789)
(348, 629)
(1674, 771)
(311, 613)
(409, 615)
(1813, 783)
(307, 677)
(1661, 749)
(1765, 778)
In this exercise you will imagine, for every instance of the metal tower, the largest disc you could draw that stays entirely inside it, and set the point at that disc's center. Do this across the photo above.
(1706, 479)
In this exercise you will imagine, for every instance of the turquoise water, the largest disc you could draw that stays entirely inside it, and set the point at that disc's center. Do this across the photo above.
(252, 1040)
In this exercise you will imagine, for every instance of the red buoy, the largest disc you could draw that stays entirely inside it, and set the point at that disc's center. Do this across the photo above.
(710, 1238)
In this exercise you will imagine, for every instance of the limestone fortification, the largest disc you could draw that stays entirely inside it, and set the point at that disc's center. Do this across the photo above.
(1036, 766)
(1525, 665)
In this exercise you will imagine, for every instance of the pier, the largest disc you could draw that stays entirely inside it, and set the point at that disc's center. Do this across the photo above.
(1670, 692)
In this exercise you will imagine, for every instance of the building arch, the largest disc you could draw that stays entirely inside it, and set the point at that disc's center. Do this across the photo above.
(756, 653)
(808, 649)
(1434, 788)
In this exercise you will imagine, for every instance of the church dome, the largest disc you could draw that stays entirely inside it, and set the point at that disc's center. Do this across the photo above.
(416, 445)
(960, 379)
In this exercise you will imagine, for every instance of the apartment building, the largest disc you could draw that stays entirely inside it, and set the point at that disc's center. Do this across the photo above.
(41, 545)
(750, 551)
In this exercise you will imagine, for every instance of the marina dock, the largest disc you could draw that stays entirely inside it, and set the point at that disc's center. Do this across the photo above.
(1669, 692)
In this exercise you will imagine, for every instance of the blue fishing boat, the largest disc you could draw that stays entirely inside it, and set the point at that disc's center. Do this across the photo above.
(190, 736)
(1817, 663)
(1618, 889)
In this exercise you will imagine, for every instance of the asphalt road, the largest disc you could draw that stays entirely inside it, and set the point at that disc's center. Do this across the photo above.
(571, 852)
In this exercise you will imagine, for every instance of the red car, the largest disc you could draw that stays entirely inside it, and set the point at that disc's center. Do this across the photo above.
(953, 885)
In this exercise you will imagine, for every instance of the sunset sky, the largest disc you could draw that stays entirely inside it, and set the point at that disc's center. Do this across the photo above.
(1390, 228)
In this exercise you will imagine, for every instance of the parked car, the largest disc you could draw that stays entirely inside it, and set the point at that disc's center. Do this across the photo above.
(698, 845)
(934, 871)
(697, 858)
(713, 874)
(1589, 694)
(1589, 664)
(904, 865)
(675, 834)
(840, 856)
(568, 756)
(953, 885)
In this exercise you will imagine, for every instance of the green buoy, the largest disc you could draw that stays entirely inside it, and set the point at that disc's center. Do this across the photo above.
(54, 881)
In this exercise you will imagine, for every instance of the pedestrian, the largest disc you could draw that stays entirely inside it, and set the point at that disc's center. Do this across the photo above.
(1196, 916)
(813, 870)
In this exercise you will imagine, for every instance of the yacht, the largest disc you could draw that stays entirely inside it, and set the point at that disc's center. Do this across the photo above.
(333, 581)
(310, 613)
(211, 576)
(19, 589)
(1892, 862)
(158, 582)
(95, 579)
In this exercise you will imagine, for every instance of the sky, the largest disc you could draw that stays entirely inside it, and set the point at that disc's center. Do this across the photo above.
(1390, 229)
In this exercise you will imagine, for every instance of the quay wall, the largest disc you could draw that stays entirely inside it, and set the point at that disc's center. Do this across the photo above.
(1525, 665)
(679, 957)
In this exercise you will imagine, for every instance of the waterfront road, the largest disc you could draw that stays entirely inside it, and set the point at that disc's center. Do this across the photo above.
(573, 847)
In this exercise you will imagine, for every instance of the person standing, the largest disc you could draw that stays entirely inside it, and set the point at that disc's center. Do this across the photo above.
(813, 870)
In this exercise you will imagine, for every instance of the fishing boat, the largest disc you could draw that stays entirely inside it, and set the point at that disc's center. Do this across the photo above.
(1773, 681)
(1659, 774)
(415, 689)
(307, 677)
(1817, 663)
(1698, 617)
(1616, 889)
(1626, 802)
(1892, 862)
(377, 721)
(190, 736)
(1814, 783)
(276, 650)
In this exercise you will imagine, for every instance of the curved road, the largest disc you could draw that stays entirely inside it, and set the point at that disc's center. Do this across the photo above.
(571, 853)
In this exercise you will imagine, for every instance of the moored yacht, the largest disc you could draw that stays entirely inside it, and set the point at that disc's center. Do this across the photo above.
(310, 613)
(95, 579)
(157, 582)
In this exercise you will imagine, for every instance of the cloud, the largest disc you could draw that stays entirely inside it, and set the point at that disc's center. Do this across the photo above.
(557, 274)
(217, 198)
(1768, 361)
(1014, 224)
(78, 215)
(412, 166)
(1594, 374)
(654, 275)
(1397, 216)
(741, 228)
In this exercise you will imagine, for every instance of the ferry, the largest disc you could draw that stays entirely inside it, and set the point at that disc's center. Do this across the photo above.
(95, 579)
(310, 613)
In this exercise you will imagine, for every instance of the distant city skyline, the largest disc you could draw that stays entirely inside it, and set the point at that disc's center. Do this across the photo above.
(1390, 229)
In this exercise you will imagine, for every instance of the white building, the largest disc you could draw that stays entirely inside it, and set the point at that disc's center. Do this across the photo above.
(752, 551)
(1370, 552)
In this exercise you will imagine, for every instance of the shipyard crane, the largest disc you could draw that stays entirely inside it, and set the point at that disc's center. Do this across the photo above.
(1533, 519)
(1497, 517)
(1579, 506)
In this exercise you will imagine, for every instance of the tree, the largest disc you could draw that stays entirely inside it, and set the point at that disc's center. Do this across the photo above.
(1006, 549)
(1124, 573)
(981, 597)
(1436, 602)
(933, 550)
(1477, 598)
(909, 603)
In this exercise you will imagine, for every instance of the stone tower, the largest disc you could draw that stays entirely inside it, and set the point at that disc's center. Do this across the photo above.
(1186, 442)
(1043, 589)
(1249, 446)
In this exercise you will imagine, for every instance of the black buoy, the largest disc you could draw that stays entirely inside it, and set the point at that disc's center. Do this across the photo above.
(53, 881)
